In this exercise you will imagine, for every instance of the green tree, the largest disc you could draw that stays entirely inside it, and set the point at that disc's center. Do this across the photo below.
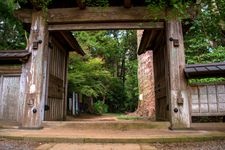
(88, 77)
(205, 40)
(118, 49)
(12, 35)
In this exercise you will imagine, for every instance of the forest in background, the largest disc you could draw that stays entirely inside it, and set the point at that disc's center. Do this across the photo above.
(109, 70)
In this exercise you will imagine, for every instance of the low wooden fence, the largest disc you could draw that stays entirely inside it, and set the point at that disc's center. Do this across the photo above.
(207, 100)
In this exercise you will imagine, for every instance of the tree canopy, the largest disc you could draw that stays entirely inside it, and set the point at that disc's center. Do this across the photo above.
(205, 40)
(114, 74)
(12, 35)
(88, 76)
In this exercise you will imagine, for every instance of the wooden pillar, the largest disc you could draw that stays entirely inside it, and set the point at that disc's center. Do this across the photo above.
(177, 85)
(66, 85)
(35, 73)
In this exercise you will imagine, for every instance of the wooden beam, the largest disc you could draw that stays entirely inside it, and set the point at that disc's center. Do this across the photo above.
(81, 4)
(148, 40)
(34, 74)
(177, 85)
(24, 15)
(72, 42)
(95, 15)
(150, 45)
(159, 40)
(9, 69)
(106, 26)
(144, 40)
(102, 14)
(127, 3)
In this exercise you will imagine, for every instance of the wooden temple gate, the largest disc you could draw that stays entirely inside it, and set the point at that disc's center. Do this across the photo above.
(163, 36)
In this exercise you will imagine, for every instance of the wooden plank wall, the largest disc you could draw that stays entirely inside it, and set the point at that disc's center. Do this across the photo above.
(207, 100)
(10, 103)
(162, 112)
(57, 82)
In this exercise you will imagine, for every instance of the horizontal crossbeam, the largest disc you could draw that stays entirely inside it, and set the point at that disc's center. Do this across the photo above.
(97, 15)
(106, 26)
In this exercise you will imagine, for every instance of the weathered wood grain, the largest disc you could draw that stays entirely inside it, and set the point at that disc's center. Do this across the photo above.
(106, 26)
(72, 42)
(36, 74)
(95, 14)
(162, 113)
(10, 69)
(57, 82)
(10, 103)
(177, 94)
(103, 14)
(207, 100)
(127, 3)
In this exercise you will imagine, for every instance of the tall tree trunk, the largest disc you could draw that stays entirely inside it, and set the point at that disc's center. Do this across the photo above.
(122, 72)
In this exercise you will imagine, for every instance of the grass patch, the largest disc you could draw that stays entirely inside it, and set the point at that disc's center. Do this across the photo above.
(127, 117)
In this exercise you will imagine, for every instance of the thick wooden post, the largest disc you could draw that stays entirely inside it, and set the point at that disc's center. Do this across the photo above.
(35, 73)
(177, 88)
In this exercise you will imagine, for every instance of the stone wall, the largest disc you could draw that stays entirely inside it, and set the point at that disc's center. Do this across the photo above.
(146, 106)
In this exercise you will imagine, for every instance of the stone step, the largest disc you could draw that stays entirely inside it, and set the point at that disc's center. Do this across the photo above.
(111, 125)
(95, 146)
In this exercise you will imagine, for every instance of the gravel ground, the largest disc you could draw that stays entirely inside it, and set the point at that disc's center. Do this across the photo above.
(209, 145)
(17, 145)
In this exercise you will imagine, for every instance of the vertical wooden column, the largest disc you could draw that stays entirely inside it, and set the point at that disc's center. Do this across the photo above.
(35, 73)
(66, 85)
(177, 88)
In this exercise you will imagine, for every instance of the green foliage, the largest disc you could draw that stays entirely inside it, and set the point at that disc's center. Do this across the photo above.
(116, 96)
(127, 117)
(100, 3)
(12, 35)
(205, 39)
(131, 86)
(206, 80)
(118, 50)
(39, 4)
(177, 7)
(100, 107)
(88, 76)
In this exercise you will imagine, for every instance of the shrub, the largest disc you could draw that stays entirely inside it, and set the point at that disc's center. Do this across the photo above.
(100, 107)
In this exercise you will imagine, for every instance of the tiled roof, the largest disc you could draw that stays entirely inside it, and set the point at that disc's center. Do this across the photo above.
(20, 55)
(205, 70)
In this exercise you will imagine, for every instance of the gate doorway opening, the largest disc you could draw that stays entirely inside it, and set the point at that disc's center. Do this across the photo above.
(116, 81)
